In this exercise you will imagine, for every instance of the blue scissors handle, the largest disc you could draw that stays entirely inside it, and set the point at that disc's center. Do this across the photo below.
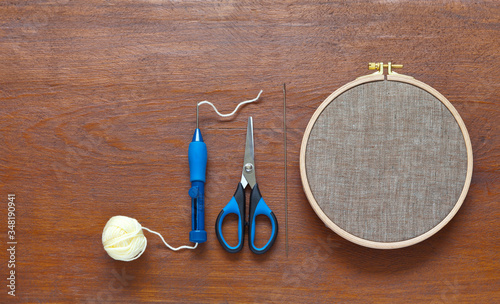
(236, 206)
(259, 207)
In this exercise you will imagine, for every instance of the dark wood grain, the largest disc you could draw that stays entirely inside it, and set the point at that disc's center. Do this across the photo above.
(98, 108)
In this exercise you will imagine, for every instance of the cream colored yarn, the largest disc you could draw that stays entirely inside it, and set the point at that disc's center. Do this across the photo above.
(124, 240)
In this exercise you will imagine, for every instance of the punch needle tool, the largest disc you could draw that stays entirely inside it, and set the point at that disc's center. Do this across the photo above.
(197, 155)
(237, 205)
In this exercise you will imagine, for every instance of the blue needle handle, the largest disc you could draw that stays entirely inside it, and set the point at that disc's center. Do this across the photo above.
(236, 206)
(197, 155)
(259, 207)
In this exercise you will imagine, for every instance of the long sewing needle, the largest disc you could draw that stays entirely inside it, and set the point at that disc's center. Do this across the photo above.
(286, 184)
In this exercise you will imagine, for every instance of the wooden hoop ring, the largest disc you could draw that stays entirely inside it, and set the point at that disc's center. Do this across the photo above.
(328, 222)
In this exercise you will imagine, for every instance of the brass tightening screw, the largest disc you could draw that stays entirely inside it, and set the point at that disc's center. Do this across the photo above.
(377, 65)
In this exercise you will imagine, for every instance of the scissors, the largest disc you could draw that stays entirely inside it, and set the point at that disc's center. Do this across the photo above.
(237, 204)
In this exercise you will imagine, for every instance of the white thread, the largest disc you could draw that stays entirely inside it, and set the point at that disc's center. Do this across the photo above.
(173, 248)
(123, 239)
(236, 109)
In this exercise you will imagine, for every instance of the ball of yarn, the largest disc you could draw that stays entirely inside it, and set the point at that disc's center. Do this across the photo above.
(123, 239)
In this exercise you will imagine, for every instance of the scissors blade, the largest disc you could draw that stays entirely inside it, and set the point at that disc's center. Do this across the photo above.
(248, 173)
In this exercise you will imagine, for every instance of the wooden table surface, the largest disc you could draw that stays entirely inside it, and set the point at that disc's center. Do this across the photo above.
(98, 108)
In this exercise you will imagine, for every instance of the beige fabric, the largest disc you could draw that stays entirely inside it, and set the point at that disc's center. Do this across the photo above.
(386, 161)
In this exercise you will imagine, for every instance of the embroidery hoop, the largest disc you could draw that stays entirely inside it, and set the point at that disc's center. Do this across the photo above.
(320, 205)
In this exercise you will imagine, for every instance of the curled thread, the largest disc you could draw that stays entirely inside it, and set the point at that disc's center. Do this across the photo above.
(220, 114)
(173, 248)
